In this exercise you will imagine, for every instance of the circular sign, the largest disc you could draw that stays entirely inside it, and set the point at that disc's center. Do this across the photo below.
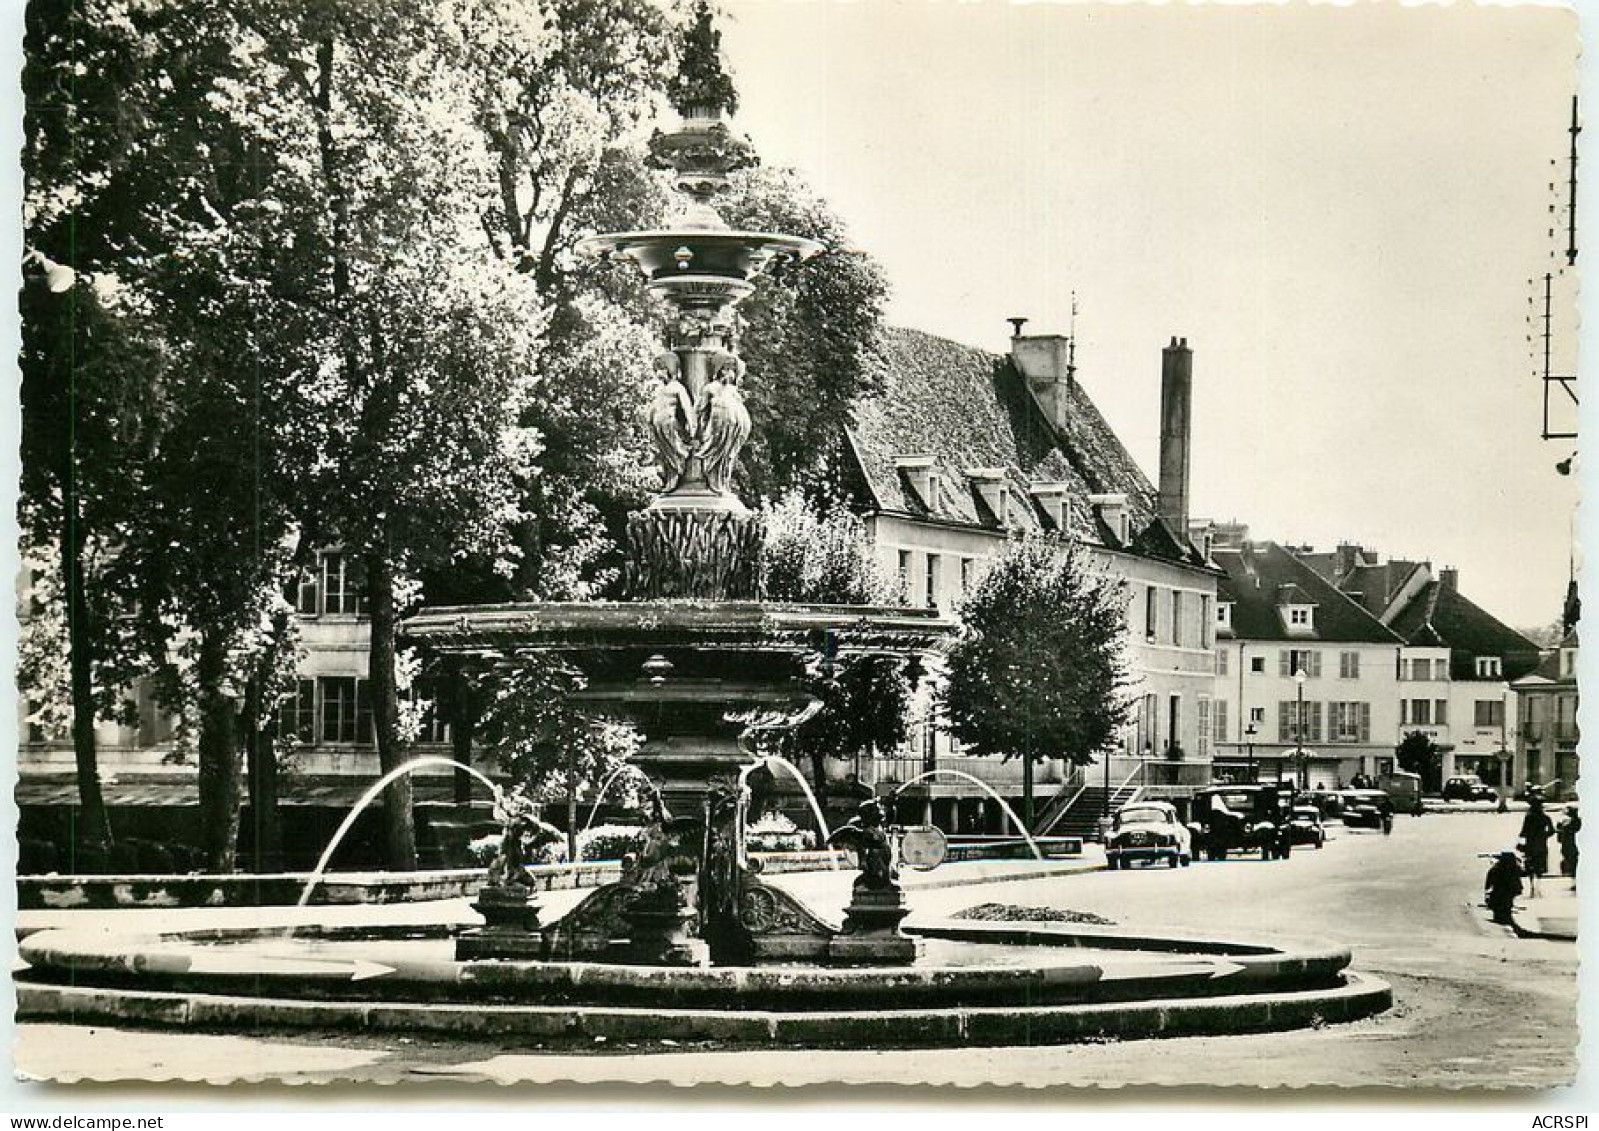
(923, 847)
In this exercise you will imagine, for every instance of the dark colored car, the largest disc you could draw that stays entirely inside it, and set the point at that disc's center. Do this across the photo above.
(1368, 809)
(1467, 789)
(1242, 818)
(1305, 827)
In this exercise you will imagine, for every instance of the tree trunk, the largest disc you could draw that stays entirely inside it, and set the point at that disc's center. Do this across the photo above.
(219, 758)
(399, 827)
(463, 728)
(571, 807)
(262, 764)
(1027, 793)
(94, 824)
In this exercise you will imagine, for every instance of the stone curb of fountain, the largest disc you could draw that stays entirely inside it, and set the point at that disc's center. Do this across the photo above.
(1358, 997)
(997, 873)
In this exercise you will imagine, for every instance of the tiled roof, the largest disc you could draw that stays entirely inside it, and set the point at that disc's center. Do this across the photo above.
(1258, 574)
(1443, 617)
(968, 409)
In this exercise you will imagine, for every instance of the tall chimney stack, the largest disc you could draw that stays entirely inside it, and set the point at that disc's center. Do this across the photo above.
(1176, 393)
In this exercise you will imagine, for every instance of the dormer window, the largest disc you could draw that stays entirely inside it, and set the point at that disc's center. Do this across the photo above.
(1224, 616)
(1299, 619)
(1055, 501)
(1112, 511)
(921, 472)
(1568, 663)
(1488, 667)
(993, 487)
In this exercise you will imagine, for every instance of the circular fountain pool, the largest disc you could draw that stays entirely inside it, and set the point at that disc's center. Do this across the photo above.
(973, 983)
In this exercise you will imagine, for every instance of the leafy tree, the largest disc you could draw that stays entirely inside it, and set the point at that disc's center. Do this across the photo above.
(822, 556)
(1038, 667)
(1418, 754)
(808, 335)
(550, 747)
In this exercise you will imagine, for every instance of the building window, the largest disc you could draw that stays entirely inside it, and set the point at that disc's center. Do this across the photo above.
(334, 587)
(1177, 617)
(1415, 712)
(345, 713)
(1207, 627)
(1174, 724)
(966, 575)
(1257, 717)
(1487, 667)
(1421, 670)
(1257, 664)
(1291, 661)
(1202, 743)
(1440, 669)
(1349, 722)
(1218, 719)
(1349, 665)
(1224, 614)
(1289, 725)
(1221, 661)
(1440, 712)
(1150, 607)
(1488, 713)
(1299, 617)
(932, 581)
(905, 573)
(297, 713)
(1568, 663)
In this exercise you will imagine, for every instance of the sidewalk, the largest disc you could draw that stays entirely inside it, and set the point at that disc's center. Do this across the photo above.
(1553, 914)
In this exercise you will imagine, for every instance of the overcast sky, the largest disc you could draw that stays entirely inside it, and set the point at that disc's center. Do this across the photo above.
(1340, 208)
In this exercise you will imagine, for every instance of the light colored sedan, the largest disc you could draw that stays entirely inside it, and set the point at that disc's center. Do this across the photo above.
(1148, 830)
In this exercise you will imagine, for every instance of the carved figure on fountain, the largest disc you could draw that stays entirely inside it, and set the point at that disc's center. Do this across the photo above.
(672, 421)
(724, 423)
(869, 835)
(523, 831)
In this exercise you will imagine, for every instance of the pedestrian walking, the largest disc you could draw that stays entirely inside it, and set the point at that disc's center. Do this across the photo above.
(1536, 829)
(1501, 887)
(1567, 832)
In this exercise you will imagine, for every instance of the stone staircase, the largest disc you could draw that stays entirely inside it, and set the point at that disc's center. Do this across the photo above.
(1078, 813)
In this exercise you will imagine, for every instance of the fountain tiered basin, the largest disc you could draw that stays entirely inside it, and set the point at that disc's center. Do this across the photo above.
(973, 983)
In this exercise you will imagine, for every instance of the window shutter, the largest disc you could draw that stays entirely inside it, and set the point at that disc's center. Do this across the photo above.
(1221, 661)
(1354, 665)
(1285, 720)
(1282, 663)
(1365, 722)
(1220, 723)
(1315, 665)
(1441, 712)
(1314, 711)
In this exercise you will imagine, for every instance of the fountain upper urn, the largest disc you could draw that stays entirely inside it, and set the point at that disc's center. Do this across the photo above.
(696, 538)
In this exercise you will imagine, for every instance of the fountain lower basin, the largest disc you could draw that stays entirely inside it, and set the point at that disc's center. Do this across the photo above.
(974, 983)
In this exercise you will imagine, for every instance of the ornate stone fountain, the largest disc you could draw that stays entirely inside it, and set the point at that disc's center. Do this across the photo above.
(693, 649)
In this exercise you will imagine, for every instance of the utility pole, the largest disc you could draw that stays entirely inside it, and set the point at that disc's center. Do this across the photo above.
(1571, 188)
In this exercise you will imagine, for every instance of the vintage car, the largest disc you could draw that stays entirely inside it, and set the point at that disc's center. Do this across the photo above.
(1468, 789)
(1147, 830)
(1247, 818)
(1305, 826)
(1368, 809)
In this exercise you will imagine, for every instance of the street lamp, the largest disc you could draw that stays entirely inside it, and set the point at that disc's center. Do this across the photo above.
(1249, 745)
(1299, 732)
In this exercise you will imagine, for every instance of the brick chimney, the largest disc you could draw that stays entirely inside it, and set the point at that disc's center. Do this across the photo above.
(1045, 361)
(1449, 578)
(1176, 388)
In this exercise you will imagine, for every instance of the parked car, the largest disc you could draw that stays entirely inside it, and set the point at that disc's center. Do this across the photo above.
(1248, 818)
(1305, 826)
(1368, 809)
(1468, 789)
(1148, 830)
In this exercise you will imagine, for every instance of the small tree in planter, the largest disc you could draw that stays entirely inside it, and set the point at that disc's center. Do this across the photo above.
(550, 746)
(1038, 668)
